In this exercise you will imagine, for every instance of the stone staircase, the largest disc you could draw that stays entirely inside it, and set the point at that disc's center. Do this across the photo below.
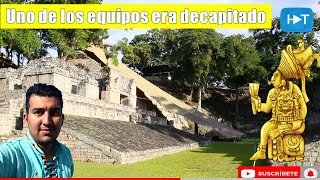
(11, 104)
(123, 142)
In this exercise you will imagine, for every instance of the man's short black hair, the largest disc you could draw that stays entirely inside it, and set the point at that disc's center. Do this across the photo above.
(43, 90)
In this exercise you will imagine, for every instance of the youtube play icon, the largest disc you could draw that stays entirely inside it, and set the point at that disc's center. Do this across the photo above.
(248, 173)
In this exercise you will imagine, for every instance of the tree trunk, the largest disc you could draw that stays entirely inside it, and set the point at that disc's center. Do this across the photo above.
(62, 55)
(8, 52)
(237, 102)
(11, 55)
(199, 100)
(18, 59)
(191, 94)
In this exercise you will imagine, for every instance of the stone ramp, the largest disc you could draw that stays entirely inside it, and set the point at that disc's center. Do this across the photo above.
(170, 103)
(224, 130)
(126, 142)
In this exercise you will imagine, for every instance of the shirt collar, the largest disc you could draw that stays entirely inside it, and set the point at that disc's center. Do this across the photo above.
(38, 149)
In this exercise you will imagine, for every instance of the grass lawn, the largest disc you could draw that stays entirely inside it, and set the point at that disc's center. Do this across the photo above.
(220, 159)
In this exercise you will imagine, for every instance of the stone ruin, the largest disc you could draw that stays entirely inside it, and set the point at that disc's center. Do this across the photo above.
(91, 94)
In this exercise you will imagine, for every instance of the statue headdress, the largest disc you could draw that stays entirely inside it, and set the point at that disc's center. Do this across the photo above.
(296, 64)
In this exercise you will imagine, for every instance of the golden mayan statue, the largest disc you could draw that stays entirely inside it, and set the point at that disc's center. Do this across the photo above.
(281, 135)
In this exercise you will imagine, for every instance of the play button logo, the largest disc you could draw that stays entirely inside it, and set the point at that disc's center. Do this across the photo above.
(295, 19)
(248, 173)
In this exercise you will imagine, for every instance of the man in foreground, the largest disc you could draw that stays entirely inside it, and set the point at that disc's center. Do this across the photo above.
(38, 153)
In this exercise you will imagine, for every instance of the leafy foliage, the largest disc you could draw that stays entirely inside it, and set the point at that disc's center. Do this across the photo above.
(30, 44)
(68, 41)
(242, 61)
(270, 42)
(194, 53)
(23, 43)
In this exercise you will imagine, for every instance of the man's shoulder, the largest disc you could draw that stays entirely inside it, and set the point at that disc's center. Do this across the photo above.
(13, 146)
(13, 143)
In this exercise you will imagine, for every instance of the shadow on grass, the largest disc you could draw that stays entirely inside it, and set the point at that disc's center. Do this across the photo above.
(241, 151)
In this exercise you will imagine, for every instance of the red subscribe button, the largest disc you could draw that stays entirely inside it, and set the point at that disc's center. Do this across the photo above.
(269, 172)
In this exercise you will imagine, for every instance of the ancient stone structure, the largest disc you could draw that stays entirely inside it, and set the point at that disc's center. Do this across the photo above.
(86, 93)
(113, 93)
(174, 110)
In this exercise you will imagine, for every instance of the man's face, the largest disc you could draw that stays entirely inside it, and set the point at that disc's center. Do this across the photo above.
(276, 79)
(44, 118)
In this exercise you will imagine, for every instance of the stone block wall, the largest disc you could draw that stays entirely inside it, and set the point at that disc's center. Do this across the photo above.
(7, 123)
(119, 83)
(79, 106)
(111, 96)
(4, 105)
(180, 122)
(29, 80)
(64, 83)
(135, 156)
(88, 150)
(9, 77)
(149, 119)
(312, 154)
(12, 103)
(3, 84)
(85, 86)
(92, 90)
(63, 75)
(158, 120)
(83, 150)
(10, 113)
(133, 95)
(311, 157)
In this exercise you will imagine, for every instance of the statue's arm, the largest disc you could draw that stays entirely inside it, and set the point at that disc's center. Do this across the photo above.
(302, 103)
(266, 107)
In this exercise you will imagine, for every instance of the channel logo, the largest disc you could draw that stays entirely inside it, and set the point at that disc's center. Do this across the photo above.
(248, 173)
(296, 19)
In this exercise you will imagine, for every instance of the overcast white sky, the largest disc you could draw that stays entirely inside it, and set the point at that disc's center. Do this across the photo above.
(277, 5)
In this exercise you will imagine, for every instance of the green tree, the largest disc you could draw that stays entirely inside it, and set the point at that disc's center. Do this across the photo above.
(20, 43)
(151, 48)
(65, 41)
(68, 41)
(242, 63)
(193, 55)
